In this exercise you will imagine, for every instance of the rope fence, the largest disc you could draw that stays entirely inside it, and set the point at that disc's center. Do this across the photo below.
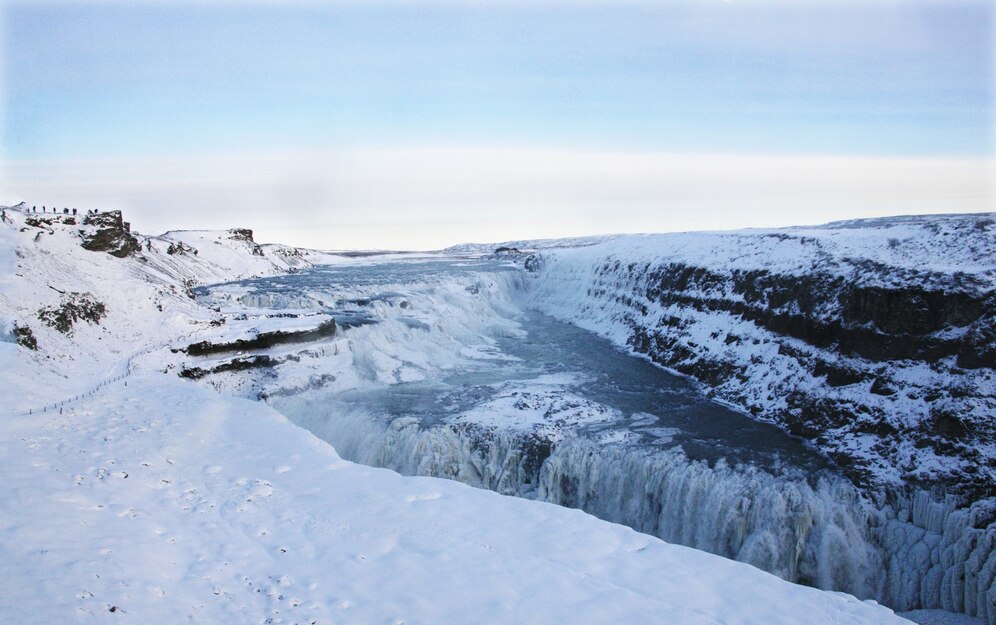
(128, 370)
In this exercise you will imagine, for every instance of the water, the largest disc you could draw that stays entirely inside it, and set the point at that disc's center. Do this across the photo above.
(545, 410)
(655, 408)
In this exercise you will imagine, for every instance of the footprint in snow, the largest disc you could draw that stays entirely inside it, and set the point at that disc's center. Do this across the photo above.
(261, 489)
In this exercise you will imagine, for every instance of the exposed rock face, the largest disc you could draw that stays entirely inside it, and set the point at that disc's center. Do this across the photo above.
(245, 234)
(848, 334)
(180, 248)
(107, 232)
(237, 364)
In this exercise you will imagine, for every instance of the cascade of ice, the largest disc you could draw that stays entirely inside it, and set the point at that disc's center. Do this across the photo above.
(826, 534)
(941, 556)
(817, 535)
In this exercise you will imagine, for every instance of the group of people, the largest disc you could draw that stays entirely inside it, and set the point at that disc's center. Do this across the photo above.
(65, 211)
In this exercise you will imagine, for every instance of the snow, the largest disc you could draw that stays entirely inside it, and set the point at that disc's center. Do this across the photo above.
(170, 503)
(154, 500)
(940, 617)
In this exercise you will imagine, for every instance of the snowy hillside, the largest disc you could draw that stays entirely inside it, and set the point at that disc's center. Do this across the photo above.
(151, 499)
(90, 310)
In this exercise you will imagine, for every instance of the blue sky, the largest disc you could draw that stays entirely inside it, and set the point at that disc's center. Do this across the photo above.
(150, 81)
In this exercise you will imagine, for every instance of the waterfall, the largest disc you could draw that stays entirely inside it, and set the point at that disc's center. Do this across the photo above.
(819, 535)
(907, 550)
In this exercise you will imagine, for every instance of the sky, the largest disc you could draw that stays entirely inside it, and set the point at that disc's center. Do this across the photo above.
(393, 124)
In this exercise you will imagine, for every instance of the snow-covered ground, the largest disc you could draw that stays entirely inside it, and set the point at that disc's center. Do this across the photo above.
(162, 502)
(155, 500)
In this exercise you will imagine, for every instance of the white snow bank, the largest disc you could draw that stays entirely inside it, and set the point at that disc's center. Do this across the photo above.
(163, 502)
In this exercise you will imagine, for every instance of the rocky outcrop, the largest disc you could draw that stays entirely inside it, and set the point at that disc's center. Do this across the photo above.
(264, 340)
(236, 364)
(25, 337)
(857, 344)
(73, 308)
(108, 232)
(179, 248)
(844, 334)
(245, 234)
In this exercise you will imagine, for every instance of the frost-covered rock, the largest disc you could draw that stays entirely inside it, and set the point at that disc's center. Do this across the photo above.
(108, 232)
(872, 339)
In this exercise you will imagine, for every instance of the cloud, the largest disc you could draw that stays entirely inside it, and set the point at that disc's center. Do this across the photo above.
(424, 198)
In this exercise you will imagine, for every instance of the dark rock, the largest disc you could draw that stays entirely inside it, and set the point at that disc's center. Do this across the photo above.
(245, 234)
(238, 364)
(881, 387)
(838, 375)
(910, 310)
(25, 337)
(264, 340)
(948, 424)
(107, 232)
(533, 262)
(74, 307)
(182, 249)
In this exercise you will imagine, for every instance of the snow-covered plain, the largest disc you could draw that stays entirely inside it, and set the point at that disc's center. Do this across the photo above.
(155, 500)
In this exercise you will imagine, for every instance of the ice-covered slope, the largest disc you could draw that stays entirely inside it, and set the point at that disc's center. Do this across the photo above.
(873, 339)
(153, 500)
